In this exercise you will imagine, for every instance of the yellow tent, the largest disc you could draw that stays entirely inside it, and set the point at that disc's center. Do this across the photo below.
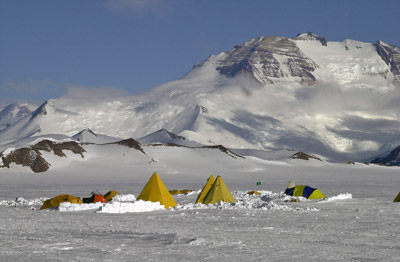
(218, 192)
(206, 188)
(110, 194)
(156, 191)
(397, 199)
(55, 201)
(253, 192)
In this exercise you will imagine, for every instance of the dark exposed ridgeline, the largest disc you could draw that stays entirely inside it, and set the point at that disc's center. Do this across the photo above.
(391, 55)
(392, 159)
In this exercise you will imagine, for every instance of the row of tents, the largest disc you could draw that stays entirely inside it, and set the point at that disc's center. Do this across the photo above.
(214, 191)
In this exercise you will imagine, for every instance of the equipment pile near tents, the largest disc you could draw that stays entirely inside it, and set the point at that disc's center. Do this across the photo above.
(57, 200)
(180, 191)
(94, 198)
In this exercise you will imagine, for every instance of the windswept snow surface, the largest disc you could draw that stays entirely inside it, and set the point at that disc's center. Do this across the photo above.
(357, 222)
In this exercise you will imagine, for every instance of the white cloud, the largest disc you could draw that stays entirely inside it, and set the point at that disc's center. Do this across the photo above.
(77, 91)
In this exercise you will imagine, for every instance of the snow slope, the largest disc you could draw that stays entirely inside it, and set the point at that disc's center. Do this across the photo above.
(338, 100)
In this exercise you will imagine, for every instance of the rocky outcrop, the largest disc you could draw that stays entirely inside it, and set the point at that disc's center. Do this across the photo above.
(32, 157)
(57, 148)
(268, 59)
(310, 36)
(131, 143)
(26, 157)
(304, 156)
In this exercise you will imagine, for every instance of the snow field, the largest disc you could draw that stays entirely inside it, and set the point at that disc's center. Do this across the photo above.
(362, 226)
(343, 229)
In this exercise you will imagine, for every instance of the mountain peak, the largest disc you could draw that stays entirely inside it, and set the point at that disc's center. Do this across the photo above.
(269, 59)
(14, 112)
(310, 36)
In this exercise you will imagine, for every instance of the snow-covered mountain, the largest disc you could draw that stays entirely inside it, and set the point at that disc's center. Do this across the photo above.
(14, 112)
(390, 159)
(165, 137)
(335, 100)
(88, 136)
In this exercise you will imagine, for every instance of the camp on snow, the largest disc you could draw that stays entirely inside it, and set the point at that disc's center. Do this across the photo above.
(216, 193)
(303, 191)
(55, 201)
(156, 191)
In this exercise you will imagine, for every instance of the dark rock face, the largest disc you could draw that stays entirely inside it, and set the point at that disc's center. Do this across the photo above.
(268, 59)
(33, 158)
(311, 36)
(40, 111)
(304, 156)
(393, 159)
(131, 143)
(47, 145)
(26, 157)
(391, 55)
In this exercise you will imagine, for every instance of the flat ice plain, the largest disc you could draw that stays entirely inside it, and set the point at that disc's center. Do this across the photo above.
(358, 221)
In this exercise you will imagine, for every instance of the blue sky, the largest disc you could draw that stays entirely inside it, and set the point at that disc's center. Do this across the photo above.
(50, 49)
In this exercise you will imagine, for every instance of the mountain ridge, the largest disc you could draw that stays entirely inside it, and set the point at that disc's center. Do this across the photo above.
(332, 99)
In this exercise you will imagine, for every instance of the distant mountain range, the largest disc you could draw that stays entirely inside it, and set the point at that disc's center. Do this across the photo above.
(335, 100)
